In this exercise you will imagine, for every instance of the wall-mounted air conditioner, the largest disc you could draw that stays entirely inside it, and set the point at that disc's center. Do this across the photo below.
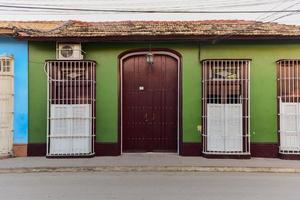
(68, 51)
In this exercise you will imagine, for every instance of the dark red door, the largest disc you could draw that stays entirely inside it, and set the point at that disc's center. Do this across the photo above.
(150, 93)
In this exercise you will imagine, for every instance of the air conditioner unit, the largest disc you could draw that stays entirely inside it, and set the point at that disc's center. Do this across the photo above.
(67, 51)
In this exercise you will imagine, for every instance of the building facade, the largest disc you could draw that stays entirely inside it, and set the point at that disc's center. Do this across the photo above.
(204, 88)
(261, 61)
(14, 97)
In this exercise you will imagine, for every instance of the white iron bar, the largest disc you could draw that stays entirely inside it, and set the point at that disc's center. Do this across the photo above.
(71, 136)
(71, 89)
(221, 90)
(288, 73)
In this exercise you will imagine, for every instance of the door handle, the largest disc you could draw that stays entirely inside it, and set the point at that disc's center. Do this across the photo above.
(146, 117)
(153, 116)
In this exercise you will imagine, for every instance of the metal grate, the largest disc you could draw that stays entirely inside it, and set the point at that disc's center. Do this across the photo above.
(225, 106)
(6, 104)
(288, 89)
(71, 107)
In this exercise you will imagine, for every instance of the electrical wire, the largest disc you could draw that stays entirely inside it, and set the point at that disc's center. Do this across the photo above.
(140, 8)
(274, 14)
(257, 23)
(150, 11)
(196, 4)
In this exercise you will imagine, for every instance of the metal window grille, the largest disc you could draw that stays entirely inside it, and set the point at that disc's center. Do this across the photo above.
(71, 107)
(225, 106)
(6, 104)
(288, 89)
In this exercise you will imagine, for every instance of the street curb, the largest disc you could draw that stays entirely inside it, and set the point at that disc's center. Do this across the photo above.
(151, 169)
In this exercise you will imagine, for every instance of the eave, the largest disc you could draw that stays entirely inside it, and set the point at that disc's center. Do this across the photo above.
(166, 38)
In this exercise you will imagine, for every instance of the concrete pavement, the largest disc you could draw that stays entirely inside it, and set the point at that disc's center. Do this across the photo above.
(150, 162)
(144, 186)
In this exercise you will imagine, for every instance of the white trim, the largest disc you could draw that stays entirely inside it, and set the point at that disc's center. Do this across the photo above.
(7, 97)
(249, 108)
(178, 90)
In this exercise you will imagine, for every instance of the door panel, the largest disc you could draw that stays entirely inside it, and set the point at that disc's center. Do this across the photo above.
(224, 125)
(5, 127)
(81, 128)
(149, 104)
(70, 129)
(6, 114)
(289, 136)
(215, 127)
(233, 127)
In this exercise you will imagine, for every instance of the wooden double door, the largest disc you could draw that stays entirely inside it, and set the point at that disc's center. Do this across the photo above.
(149, 104)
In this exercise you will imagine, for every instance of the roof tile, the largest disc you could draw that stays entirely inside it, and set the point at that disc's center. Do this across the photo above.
(66, 29)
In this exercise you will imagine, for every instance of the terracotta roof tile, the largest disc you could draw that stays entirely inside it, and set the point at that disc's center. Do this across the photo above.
(35, 25)
(6, 31)
(79, 29)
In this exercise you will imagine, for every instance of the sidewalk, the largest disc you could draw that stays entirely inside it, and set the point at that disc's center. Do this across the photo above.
(155, 162)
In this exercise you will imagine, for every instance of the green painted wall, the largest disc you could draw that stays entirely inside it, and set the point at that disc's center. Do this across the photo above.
(38, 90)
(263, 94)
(262, 98)
(106, 56)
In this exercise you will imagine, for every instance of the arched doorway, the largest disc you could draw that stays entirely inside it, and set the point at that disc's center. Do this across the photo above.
(150, 102)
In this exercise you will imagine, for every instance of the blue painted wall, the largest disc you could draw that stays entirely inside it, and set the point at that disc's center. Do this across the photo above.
(19, 49)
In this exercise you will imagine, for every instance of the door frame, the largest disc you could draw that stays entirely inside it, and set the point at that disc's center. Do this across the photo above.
(155, 51)
(10, 96)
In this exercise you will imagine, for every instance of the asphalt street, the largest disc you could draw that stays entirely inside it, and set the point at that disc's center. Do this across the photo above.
(142, 186)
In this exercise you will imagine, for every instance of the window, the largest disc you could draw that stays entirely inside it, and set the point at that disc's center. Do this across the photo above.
(71, 104)
(225, 103)
(214, 99)
(73, 73)
(289, 80)
(224, 72)
(234, 98)
(6, 64)
(288, 89)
